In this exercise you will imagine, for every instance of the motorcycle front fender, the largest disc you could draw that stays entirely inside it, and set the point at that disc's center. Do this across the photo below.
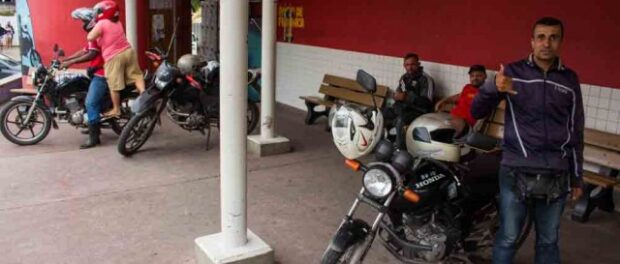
(351, 232)
(146, 101)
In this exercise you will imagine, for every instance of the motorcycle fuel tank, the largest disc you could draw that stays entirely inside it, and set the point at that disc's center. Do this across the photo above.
(71, 83)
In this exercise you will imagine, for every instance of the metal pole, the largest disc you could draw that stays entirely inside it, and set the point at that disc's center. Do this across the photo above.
(268, 69)
(131, 23)
(233, 126)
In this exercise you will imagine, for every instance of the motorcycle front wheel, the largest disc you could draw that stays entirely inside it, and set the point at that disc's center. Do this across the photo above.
(334, 257)
(24, 132)
(136, 132)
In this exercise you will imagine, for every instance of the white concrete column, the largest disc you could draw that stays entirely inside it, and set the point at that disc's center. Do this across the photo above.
(268, 69)
(233, 124)
(131, 22)
(235, 243)
(268, 143)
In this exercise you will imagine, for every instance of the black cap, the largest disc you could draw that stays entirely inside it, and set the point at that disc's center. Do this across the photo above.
(478, 68)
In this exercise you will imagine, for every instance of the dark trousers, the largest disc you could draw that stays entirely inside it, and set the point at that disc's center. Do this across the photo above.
(513, 212)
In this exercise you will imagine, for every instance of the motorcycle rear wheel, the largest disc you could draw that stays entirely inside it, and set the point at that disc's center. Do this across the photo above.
(136, 132)
(12, 115)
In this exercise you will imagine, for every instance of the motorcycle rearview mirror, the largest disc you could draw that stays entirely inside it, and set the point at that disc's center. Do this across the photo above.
(55, 47)
(367, 82)
(384, 151)
(61, 53)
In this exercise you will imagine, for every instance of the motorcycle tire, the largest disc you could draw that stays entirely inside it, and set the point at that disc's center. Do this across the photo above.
(334, 257)
(253, 116)
(14, 138)
(144, 124)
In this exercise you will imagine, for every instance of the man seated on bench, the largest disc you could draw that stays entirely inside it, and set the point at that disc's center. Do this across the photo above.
(461, 115)
(414, 97)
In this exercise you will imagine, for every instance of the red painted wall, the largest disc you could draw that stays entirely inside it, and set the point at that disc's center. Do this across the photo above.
(465, 32)
(52, 23)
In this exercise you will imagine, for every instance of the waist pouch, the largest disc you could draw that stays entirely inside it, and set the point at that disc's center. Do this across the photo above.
(531, 183)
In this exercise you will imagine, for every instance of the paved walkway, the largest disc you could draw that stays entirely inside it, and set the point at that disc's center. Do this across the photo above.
(59, 204)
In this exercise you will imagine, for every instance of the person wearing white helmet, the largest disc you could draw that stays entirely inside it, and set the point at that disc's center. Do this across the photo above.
(98, 86)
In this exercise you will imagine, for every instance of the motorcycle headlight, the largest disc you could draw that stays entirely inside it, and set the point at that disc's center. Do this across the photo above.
(164, 75)
(162, 80)
(378, 182)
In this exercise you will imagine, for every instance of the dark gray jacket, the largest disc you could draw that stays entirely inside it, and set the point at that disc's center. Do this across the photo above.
(420, 90)
(544, 122)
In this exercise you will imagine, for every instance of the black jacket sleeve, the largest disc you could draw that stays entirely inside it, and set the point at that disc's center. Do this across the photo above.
(486, 100)
(578, 134)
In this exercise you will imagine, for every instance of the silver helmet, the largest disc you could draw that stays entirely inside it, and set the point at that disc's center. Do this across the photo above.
(86, 15)
(190, 64)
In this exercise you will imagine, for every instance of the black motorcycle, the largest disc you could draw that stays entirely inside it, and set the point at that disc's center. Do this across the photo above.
(429, 211)
(190, 102)
(27, 118)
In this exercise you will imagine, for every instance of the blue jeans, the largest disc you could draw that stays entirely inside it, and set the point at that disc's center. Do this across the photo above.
(512, 213)
(96, 91)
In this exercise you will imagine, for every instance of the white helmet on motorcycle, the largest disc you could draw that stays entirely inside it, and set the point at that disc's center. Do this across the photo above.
(432, 135)
(356, 134)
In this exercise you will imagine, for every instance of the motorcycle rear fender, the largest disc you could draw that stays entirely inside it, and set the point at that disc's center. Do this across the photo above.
(145, 101)
(352, 231)
(29, 99)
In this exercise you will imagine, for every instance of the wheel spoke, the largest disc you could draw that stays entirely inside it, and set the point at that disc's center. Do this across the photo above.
(19, 132)
(32, 131)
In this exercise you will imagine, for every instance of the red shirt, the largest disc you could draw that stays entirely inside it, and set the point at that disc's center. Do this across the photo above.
(97, 62)
(463, 105)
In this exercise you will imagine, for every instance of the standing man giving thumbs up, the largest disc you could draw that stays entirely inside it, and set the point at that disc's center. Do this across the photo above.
(543, 142)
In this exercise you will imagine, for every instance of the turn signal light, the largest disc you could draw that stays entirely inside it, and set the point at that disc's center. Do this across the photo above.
(353, 164)
(411, 196)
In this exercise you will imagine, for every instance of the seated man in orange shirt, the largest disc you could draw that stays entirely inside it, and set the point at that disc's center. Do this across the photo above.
(461, 116)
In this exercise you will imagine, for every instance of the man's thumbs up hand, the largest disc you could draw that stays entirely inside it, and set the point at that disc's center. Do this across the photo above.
(503, 82)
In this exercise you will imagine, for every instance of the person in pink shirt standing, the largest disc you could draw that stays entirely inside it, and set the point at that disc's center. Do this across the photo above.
(121, 61)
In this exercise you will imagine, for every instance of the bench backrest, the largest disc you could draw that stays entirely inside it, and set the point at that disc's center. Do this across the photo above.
(335, 87)
(492, 126)
(601, 148)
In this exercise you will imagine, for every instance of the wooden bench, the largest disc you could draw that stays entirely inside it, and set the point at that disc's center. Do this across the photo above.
(338, 90)
(600, 148)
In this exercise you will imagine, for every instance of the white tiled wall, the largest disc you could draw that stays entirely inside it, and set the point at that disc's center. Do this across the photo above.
(301, 69)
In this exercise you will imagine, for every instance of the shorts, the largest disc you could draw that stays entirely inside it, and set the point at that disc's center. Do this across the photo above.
(122, 70)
